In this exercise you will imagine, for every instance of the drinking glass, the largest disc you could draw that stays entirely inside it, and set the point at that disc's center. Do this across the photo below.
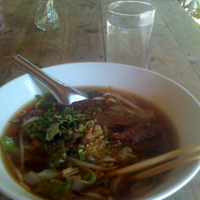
(129, 27)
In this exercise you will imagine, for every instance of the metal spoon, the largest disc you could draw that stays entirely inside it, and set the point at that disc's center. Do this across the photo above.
(63, 93)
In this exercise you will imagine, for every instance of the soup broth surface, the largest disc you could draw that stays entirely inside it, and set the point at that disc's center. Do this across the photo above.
(67, 152)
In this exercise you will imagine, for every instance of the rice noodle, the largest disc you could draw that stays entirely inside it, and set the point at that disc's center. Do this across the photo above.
(31, 120)
(31, 178)
(28, 147)
(12, 166)
(108, 159)
(114, 185)
(93, 195)
(139, 112)
(22, 149)
(120, 108)
(99, 98)
(90, 165)
(24, 185)
(50, 173)
(79, 186)
(141, 187)
(132, 155)
(22, 112)
(70, 171)
(38, 103)
(110, 102)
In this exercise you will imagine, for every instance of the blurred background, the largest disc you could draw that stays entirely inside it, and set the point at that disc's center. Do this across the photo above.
(193, 8)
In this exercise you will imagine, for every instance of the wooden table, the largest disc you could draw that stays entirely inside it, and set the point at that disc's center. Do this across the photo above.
(81, 37)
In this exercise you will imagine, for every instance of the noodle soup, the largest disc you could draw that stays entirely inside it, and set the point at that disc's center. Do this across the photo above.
(67, 152)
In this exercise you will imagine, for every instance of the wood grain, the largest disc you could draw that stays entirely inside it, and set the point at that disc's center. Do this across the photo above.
(81, 37)
(174, 43)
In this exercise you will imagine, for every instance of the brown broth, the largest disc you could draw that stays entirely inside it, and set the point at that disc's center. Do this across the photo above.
(12, 128)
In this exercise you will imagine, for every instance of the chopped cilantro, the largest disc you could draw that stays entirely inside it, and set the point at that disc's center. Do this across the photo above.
(86, 176)
(68, 183)
(106, 138)
(46, 104)
(76, 111)
(68, 110)
(52, 131)
(98, 109)
(38, 97)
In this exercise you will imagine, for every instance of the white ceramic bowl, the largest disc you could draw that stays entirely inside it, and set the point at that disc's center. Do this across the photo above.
(178, 103)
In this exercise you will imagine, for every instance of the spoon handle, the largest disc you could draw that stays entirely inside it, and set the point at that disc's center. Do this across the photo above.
(59, 90)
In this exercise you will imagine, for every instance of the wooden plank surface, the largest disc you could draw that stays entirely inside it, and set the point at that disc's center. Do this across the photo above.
(84, 33)
(71, 42)
(81, 37)
(175, 45)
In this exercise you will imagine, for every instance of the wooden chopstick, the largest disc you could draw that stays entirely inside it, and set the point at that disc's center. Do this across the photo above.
(167, 166)
(156, 160)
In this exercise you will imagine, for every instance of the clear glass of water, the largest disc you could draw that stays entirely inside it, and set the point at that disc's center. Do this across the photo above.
(129, 27)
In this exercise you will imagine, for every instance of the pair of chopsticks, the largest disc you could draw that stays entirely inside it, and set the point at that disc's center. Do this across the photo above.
(167, 161)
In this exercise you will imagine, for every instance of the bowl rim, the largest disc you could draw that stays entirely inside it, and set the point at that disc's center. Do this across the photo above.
(48, 69)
